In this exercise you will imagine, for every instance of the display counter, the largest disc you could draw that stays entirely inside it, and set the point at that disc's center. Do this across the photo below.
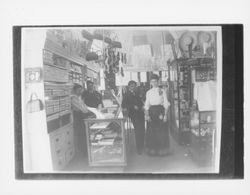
(106, 142)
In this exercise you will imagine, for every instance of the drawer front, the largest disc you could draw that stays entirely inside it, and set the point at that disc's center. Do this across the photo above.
(58, 158)
(69, 138)
(69, 154)
(62, 146)
(59, 162)
(57, 141)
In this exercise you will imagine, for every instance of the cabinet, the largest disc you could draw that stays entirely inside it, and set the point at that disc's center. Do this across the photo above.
(184, 76)
(107, 142)
(60, 74)
(62, 146)
(203, 127)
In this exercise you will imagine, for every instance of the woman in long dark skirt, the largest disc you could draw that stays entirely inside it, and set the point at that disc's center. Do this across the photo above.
(80, 112)
(156, 107)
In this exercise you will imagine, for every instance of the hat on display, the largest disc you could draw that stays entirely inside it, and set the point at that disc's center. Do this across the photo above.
(204, 37)
(186, 39)
(168, 37)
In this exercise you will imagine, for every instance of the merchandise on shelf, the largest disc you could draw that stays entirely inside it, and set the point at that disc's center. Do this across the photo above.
(203, 127)
(55, 74)
(184, 96)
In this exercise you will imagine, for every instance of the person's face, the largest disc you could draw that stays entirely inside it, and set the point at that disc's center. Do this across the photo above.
(154, 83)
(132, 87)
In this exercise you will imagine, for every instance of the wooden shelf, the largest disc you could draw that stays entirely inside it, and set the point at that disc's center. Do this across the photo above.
(53, 96)
(56, 66)
(75, 71)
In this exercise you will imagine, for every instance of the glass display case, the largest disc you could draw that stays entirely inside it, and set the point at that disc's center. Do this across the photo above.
(202, 136)
(106, 141)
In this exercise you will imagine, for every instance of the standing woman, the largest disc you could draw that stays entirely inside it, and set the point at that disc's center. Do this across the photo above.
(156, 107)
(80, 112)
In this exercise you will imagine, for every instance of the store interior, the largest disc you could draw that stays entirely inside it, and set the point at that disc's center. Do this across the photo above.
(56, 59)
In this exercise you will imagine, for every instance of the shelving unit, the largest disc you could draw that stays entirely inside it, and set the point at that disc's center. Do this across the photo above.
(180, 93)
(61, 71)
(57, 90)
(184, 74)
(203, 112)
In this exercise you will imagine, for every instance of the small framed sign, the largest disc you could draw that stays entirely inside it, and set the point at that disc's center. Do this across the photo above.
(33, 75)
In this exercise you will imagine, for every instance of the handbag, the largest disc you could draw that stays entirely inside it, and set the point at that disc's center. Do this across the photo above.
(34, 104)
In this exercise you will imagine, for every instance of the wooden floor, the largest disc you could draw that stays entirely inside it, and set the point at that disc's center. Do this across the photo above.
(179, 161)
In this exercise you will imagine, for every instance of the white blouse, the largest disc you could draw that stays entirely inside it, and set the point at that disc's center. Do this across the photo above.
(156, 96)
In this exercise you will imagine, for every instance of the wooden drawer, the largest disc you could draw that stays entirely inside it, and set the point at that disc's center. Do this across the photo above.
(62, 146)
(69, 138)
(57, 140)
(58, 157)
(70, 152)
(59, 162)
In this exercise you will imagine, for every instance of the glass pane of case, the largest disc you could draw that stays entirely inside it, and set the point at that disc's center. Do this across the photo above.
(106, 142)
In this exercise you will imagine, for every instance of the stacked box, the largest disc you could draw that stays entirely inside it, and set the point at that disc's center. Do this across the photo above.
(55, 74)
(47, 57)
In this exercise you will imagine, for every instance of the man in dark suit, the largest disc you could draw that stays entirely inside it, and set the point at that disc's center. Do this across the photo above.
(133, 105)
(91, 97)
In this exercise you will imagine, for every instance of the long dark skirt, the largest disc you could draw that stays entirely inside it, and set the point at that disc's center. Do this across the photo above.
(80, 132)
(157, 135)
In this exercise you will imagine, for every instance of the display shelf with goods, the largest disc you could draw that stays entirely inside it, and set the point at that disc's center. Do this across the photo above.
(107, 142)
(57, 90)
(196, 63)
(174, 97)
(185, 91)
(203, 113)
(203, 130)
(185, 75)
(180, 97)
(60, 71)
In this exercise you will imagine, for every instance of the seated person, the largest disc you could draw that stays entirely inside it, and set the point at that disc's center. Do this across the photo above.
(91, 97)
